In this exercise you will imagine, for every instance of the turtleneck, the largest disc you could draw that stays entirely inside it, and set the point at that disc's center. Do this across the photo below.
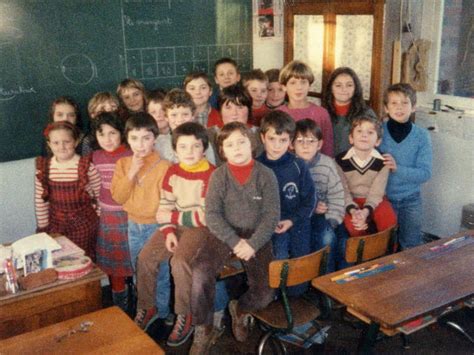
(202, 165)
(399, 131)
(241, 172)
(342, 110)
(122, 148)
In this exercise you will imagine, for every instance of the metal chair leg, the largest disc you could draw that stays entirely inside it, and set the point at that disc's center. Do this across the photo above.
(457, 327)
(264, 339)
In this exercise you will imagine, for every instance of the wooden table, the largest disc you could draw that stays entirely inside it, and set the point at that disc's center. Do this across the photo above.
(29, 310)
(112, 332)
(418, 286)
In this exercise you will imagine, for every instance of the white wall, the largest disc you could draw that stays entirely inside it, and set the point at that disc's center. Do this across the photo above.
(17, 218)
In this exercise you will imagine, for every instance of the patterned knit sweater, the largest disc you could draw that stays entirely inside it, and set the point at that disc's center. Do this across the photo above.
(183, 194)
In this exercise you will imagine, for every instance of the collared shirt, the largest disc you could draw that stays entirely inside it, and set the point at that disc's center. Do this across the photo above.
(362, 163)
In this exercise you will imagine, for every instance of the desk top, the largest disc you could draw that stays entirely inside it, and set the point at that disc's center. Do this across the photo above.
(112, 332)
(422, 282)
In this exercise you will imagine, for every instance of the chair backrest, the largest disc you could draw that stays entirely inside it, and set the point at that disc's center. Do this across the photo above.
(299, 270)
(359, 249)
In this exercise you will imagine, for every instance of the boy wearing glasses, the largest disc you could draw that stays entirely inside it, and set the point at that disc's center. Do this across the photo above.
(326, 221)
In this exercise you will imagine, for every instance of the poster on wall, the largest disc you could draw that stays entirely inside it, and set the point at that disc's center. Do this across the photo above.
(268, 17)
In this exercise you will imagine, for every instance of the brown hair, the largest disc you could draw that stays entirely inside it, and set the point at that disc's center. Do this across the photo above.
(131, 83)
(296, 69)
(178, 98)
(256, 74)
(280, 121)
(377, 124)
(273, 75)
(402, 88)
(100, 98)
(197, 75)
(65, 100)
(139, 120)
(303, 127)
(226, 131)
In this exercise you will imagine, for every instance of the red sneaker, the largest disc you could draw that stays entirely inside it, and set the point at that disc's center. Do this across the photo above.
(145, 317)
(182, 330)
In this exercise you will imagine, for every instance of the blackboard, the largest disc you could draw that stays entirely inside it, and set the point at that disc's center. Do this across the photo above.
(50, 48)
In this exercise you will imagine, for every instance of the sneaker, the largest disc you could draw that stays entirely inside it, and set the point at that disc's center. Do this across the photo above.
(145, 317)
(204, 338)
(240, 322)
(169, 320)
(183, 328)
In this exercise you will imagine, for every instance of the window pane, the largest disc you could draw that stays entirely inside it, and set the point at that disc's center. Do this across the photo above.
(456, 62)
(354, 46)
(308, 45)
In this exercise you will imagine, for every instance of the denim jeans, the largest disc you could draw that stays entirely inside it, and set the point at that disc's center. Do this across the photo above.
(138, 234)
(222, 297)
(295, 242)
(409, 214)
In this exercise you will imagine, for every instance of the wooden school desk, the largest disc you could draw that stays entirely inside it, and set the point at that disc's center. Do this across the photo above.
(111, 332)
(49, 304)
(425, 281)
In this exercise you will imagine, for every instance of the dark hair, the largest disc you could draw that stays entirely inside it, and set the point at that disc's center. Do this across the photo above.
(306, 126)
(359, 120)
(226, 60)
(280, 121)
(196, 75)
(402, 88)
(178, 98)
(109, 118)
(65, 100)
(157, 95)
(358, 105)
(139, 120)
(237, 95)
(255, 74)
(190, 129)
(66, 125)
(273, 75)
(226, 131)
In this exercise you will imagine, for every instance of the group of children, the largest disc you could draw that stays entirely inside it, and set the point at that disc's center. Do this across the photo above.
(176, 183)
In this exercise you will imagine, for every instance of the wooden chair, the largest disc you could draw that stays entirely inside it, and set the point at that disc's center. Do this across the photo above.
(283, 314)
(368, 247)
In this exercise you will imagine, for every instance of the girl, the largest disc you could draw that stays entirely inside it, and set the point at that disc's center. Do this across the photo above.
(66, 189)
(113, 255)
(155, 109)
(242, 211)
(132, 97)
(344, 100)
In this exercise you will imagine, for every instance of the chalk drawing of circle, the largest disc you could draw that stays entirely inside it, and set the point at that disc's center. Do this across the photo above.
(78, 69)
(10, 35)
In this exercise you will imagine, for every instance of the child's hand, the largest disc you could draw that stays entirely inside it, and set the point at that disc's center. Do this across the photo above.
(243, 250)
(321, 208)
(359, 218)
(283, 226)
(137, 163)
(171, 242)
(163, 217)
(390, 162)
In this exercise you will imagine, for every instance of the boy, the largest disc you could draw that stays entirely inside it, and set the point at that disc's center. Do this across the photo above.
(329, 212)
(179, 108)
(409, 157)
(297, 196)
(365, 178)
(155, 108)
(226, 73)
(136, 185)
(256, 84)
(297, 77)
(276, 91)
(199, 87)
(181, 218)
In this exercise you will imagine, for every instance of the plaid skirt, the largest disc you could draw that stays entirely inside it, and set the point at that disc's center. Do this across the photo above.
(113, 255)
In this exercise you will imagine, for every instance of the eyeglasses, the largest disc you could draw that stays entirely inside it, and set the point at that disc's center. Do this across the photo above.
(306, 140)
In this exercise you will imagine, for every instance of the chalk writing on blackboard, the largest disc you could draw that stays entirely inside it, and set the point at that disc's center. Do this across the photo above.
(78, 69)
(154, 23)
(8, 94)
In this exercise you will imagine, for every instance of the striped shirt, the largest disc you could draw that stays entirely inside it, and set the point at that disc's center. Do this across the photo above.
(63, 172)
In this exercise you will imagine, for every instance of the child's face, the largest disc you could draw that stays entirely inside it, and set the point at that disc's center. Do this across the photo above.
(237, 149)
(275, 144)
(200, 91)
(297, 89)
(276, 94)
(307, 146)
(64, 112)
(399, 107)
(108, 137)
(189, 150)
(232, 112)
(106, 106)
(178, 115)
(133, 99)
(343, 89)
(62, 144)
(364, 137)
(258, 90)
(155, 109)
(226, 75)
(141, 142)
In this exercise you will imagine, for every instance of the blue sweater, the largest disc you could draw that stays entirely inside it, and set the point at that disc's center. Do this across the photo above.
(413, 156)
(297, 194)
